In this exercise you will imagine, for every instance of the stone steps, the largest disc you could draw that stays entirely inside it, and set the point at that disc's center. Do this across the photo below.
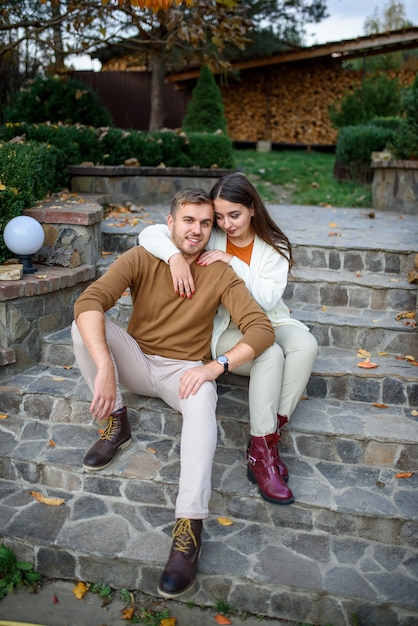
(346, 550)
(352, 530)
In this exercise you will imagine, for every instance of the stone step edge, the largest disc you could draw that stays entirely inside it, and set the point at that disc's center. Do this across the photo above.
(364, 504)
(139, 571)
(364, 279)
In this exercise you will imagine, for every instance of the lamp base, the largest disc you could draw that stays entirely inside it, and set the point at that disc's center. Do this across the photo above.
(26, 261)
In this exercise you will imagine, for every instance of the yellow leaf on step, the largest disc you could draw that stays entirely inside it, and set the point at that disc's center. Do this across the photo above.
(225, 521)
(79, 590)
(3, 416)
(46, 500)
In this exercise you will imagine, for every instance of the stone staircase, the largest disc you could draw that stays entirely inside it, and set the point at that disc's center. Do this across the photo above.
(346, 552)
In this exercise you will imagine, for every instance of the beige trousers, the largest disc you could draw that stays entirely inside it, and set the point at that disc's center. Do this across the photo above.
(278, 377)
(158, 377)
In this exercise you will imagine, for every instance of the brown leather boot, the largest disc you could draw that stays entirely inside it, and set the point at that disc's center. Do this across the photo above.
(116, 436)
(262, 457)
(179, 574)
(282, 420)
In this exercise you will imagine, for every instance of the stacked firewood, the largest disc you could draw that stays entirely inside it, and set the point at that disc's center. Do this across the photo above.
(289, 103)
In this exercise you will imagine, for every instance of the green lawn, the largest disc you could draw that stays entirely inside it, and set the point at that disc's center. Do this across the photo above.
(300, 177)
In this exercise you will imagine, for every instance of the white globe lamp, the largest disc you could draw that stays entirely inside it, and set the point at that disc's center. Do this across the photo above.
(24, 236)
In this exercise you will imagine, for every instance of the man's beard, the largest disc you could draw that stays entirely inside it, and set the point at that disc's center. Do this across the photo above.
(185, 247)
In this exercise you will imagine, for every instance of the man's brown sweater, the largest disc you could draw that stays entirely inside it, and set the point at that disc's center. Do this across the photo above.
(165, 324)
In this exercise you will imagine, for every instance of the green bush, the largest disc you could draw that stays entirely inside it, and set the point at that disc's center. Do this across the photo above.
(28, 172)
(56, 99)
(355, 145)
(378, 96)
(405, 142)
(205, 112)
(210, 150)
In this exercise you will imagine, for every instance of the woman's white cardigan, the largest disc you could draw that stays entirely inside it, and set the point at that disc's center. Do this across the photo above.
(265, 277)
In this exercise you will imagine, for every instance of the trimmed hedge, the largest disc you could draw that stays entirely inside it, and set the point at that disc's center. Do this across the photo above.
(113, 146)
(37, 163)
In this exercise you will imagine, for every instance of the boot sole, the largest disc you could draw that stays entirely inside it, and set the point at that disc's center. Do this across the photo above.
(253, 480)
(96, 468)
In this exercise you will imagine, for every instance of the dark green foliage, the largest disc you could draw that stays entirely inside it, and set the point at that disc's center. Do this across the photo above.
(209, 150)
(387, 122)
(14, 573)
(405, 142)
(55, 99)
(356, 143)
(379, 96)
(28, 172)
(205, 112)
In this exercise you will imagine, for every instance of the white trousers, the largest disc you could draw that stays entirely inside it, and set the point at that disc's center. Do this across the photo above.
(158, 377)
(278, 377)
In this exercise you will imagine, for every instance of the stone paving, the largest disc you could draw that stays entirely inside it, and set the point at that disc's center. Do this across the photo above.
(346, 550)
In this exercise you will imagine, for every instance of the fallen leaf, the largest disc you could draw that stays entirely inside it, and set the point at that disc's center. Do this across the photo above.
(332, 225)
(168, 621)
(367, 364)
(79, 590)
(383, 354)
(105, 254)
(45, 499)
(413, 362)
(363, 354)
(414, 412)
(225, 521)
(67, 367)
(410, 315)
(222, 619)
(41, 276)
(393, 280)
(404, 475)
(135, 221)
(380, 405)
(409, 357)
(58, 378)
(128, 613)
(55, 599)
(334, 234)
(398, 357)
(324, 308)
(3, 416)
(358, 274)
(152, 450)
(52, 443)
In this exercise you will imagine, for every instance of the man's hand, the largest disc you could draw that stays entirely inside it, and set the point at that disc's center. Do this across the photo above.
(104, 395)
(181, 274)
(194, 378)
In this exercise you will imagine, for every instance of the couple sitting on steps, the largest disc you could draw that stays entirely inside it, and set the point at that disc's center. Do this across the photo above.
(207, 299)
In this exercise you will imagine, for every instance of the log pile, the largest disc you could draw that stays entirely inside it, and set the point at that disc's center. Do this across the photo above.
(289, 103)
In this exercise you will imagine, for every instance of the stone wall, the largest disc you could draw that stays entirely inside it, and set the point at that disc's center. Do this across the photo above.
(140, 185)
(395, 186)
(43, 302)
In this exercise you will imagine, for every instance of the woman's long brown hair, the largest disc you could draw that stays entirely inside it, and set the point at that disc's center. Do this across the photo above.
(237, 188)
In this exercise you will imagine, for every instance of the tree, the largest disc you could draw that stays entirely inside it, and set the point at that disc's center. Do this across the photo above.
(206, 110)
(170, 34)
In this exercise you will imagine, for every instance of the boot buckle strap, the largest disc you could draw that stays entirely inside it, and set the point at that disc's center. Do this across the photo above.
(251, 460)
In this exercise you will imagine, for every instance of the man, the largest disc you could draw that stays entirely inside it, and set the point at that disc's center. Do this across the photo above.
(165, 353)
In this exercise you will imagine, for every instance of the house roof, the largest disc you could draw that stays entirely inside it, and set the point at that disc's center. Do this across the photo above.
(382, 43)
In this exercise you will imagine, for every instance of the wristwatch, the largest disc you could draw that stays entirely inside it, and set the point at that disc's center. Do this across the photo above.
(223, 360)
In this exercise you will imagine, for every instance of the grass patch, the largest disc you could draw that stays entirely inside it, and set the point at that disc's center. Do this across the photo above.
(300, 177)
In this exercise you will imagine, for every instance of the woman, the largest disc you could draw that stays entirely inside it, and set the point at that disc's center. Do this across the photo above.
(246, 238)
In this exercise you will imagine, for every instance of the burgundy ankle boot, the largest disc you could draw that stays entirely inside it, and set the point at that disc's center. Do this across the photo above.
(282, 420)
(262, 457)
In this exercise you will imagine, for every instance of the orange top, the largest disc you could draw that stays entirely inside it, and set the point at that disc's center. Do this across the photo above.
(242, 253)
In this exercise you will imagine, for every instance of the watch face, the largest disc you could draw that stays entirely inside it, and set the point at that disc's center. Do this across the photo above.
(223, 361)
